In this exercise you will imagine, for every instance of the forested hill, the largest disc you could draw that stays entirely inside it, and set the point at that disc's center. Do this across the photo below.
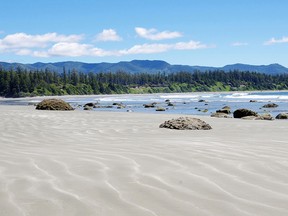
(141, 66)
(21, 83)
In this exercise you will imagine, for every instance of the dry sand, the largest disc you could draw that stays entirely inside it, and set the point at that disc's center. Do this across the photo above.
(121, 164)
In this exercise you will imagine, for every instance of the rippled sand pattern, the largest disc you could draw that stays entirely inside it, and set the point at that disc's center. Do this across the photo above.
(121, 164)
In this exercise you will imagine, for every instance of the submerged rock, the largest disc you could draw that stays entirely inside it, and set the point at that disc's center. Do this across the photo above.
(270, 105)
(53, 104)
(201, 101)
(151, 105)
(186, 123)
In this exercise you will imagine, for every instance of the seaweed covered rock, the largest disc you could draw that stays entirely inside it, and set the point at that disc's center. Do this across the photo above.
(186, 123)
(240, 113)
(53, 104)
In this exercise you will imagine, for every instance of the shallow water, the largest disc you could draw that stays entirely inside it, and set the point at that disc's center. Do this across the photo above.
(184, 103)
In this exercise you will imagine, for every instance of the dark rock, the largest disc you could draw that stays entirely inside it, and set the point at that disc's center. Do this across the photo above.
(88, 108)
(270, 105)
(252, 101)
(186, 123)
(167, 101)
(282, 116)
(225, 109)
(117, 104)
(89, 105)
(53, 104)
(201, 101)
(151, 105)
(170, 104)
(240, 113)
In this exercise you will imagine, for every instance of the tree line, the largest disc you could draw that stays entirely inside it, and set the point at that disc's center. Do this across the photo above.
(24, 83)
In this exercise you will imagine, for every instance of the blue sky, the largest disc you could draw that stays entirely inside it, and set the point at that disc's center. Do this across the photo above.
(192, 32)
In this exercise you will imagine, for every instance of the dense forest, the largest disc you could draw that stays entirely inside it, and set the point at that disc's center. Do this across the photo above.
(23, 83)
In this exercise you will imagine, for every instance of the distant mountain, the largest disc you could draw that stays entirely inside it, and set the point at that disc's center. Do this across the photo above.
(138, 66)
(271, 69)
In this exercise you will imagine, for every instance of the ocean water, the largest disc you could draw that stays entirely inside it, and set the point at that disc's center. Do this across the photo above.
(183, 103)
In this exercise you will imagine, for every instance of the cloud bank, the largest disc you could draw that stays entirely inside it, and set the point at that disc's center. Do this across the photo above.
(54, 44)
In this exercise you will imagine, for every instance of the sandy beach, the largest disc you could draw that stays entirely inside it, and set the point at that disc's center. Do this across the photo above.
(56, 163)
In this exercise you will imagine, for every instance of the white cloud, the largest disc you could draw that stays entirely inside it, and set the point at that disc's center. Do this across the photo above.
(22, 40)
(108, 35)
(191, 45)
(159, 48)
(275, 41)
(239, 44)
(72, 50)
(146, 49)
(153, 34)
(53, 44)
(69, 49)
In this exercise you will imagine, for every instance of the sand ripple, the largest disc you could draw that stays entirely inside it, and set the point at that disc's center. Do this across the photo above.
(121, 164)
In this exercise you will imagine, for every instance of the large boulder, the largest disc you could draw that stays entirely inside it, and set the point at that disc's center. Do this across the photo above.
(186, 123)
(53, 104)
(240, 113)
(282, 116)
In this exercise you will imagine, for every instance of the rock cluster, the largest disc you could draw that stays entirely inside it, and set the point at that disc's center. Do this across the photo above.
(186, 123)
(53, 104)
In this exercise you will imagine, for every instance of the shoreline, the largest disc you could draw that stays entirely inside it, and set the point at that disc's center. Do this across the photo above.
(174, 93)
(181, 103)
